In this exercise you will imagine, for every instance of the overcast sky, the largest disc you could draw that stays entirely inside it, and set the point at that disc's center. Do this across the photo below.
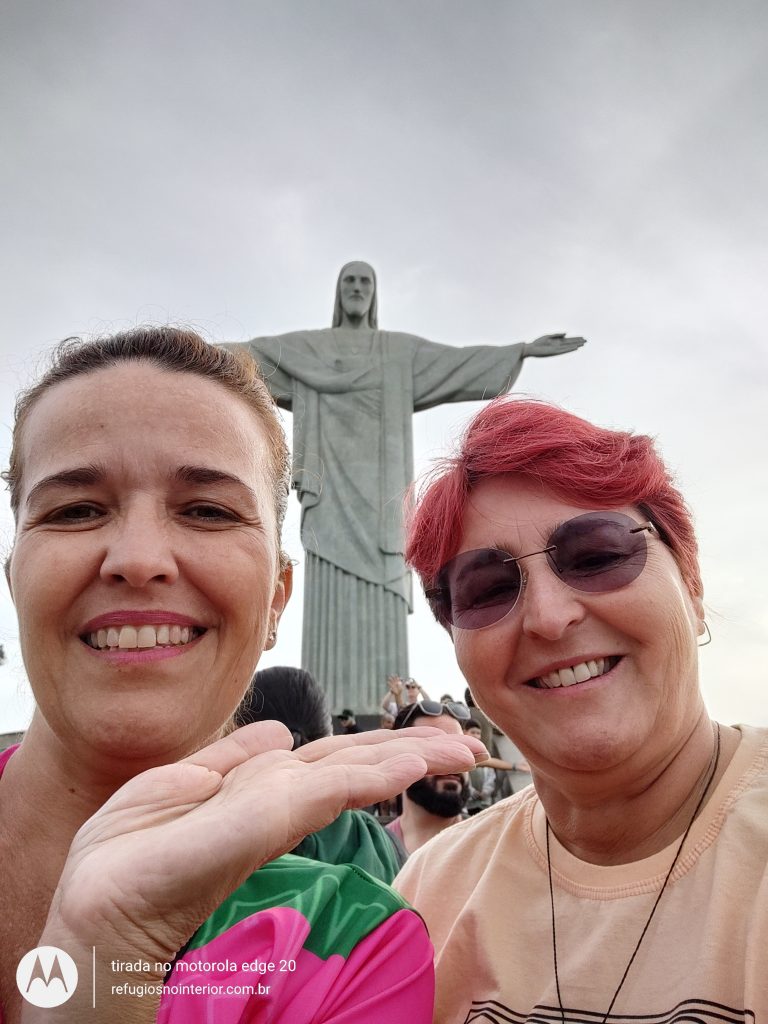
(509, 167)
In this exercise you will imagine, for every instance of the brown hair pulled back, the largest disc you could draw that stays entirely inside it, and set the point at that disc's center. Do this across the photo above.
(169, 348)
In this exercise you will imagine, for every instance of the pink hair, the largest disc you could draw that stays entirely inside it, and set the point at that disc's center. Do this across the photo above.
(586, 465)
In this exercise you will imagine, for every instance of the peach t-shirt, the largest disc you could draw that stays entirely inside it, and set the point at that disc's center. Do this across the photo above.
(482, 888)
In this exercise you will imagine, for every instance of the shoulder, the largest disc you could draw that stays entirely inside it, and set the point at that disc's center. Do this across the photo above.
(355, 838)
(321, 895)
(304, 942)
(743, 792)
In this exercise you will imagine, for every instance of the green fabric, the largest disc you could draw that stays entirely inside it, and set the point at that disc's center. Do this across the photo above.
(354, 838)
(341, 903)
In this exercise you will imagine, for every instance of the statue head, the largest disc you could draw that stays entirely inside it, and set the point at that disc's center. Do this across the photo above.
(356, 297)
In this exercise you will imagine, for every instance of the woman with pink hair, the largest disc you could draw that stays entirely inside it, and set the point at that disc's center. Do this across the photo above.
(630, 882)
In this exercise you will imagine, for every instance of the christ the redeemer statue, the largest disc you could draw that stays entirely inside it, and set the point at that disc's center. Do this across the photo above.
(353, 389)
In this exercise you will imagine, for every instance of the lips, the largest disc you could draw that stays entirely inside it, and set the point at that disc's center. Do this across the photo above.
(451, 779)
(140, 630)
(127, 638)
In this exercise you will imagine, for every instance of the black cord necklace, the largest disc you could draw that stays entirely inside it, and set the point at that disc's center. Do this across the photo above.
(710, 776)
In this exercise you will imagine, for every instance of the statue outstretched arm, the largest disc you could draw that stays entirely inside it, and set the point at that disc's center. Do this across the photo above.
(552, 345)
(461, 373)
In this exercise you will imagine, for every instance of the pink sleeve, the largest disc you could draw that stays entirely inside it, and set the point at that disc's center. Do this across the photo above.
(389, 976)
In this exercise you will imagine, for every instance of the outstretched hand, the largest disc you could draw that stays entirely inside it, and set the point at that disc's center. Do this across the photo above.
(553, 345)
(148, 868)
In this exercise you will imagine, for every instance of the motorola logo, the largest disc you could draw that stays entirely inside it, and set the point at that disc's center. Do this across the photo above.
(46, 976)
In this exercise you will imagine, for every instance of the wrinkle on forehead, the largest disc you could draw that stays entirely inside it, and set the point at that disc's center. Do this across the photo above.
(71, 424)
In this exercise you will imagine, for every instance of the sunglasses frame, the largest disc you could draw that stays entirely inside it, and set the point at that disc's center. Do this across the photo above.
(435, 595)
(419, 706)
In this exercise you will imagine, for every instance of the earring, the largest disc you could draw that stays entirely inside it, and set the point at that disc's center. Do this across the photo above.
(708, 636)
(272, 636)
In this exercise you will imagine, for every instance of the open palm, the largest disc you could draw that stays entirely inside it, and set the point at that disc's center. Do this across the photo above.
(553, 345)
(171, 844)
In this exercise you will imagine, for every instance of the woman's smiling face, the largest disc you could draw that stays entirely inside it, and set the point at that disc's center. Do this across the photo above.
(642, 637)
(145, 569)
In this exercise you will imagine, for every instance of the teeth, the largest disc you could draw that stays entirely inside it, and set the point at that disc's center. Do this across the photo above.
(147, 637)
(582, 673)
(129, 638)
(578, 673)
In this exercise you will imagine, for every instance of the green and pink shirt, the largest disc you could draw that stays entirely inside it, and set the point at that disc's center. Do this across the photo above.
(300, 942)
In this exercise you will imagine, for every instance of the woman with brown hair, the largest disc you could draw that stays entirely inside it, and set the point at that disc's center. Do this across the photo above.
(148, 481)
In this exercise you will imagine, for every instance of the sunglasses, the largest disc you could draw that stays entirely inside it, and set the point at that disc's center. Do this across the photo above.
(433, 709)
(594, 553)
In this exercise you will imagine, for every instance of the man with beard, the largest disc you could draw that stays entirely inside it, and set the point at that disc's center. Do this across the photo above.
(435, 802)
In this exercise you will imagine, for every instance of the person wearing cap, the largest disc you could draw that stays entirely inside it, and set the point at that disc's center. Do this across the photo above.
(435, 802)
(348, 722)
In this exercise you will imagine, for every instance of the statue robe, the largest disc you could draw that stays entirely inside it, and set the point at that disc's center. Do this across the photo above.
(353, 393)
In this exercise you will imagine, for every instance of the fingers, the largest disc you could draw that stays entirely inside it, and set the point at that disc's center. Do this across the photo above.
(442, 752)
(241, 745)
(339, 787)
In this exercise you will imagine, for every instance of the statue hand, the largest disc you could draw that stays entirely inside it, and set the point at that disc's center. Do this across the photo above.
(153, 863)
(552, 345)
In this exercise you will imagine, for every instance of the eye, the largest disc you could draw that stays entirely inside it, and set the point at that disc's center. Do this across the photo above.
(75, 514)
(591, 562)
(206, 513)
(499, 593)
(485, 591)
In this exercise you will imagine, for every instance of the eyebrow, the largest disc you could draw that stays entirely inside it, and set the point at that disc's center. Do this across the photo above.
(80, 476)
(95, 473)
(205, 475)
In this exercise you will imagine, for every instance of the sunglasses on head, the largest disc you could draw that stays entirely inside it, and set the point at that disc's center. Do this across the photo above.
(433, 709)
(594, 553)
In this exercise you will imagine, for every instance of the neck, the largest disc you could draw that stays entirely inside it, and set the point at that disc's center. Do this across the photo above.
(419, 826)
(355, 323)
(48, 790)
(601, 819)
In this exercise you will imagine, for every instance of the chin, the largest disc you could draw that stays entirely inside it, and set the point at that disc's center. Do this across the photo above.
(139, 740)
(598, 750)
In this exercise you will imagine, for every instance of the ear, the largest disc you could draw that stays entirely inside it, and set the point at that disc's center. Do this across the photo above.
(697, 606)
(7, 567)
(281, 596)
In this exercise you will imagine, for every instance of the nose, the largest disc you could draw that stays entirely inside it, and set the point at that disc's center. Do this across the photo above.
(139, 550)
(550, 607)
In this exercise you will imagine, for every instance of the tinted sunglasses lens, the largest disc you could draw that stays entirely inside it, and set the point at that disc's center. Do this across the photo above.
(459, 711)
(477, 588)
(598, 552)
